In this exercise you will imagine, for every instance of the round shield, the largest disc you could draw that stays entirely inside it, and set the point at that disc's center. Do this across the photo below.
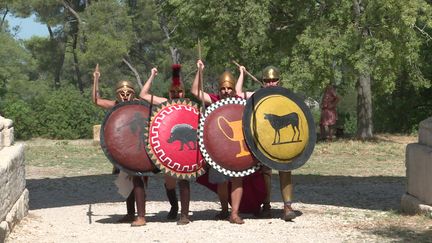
(172, 139)
(221, 138)
(122, 137)
(279, 128)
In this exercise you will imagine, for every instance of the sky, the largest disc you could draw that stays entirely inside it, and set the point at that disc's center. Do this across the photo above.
(28, 27)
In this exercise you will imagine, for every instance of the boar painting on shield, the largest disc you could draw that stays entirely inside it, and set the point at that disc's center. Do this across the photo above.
(172, 139)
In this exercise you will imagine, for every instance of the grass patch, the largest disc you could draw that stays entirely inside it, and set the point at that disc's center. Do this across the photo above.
(384, 156)
(74, 157)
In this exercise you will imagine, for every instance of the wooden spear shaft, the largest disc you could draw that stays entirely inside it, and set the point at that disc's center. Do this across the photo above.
(96, 83)
(201, 81)
(248, 73)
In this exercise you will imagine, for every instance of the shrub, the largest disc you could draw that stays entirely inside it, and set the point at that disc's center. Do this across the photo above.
(69, 115)
(61, 114)
(22, 115)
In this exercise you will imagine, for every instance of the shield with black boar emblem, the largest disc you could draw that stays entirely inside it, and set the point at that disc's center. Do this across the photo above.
(172, 139)
(221, 138)
(279, 128)
(122, 137)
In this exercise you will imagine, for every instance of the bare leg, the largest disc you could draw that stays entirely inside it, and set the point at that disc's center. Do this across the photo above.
(322, 132)
(222, 191)
(265, 212)
(170, 186)
(140, 201)
(287, 194)
(330, 132)
(184, 202)
(236, 195)
(130, 205)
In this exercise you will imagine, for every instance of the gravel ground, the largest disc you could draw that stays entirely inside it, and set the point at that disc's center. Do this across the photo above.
(330, 208)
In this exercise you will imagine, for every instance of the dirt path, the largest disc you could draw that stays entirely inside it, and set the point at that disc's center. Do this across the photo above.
(333, 209)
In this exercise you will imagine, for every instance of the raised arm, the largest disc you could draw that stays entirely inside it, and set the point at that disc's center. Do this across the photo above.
(95, 94)
(239, 85)
(145, 91)
(195, 89)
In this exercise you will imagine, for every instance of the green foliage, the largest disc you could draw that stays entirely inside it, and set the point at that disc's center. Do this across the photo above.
(340, 44)
(346, 108)
(107, 37)
(228, 30)
(15, 63)
(403, 110)
(347, 121)
(68, 115)
(23, 118)
(46, 54)
(61, 114)
(312, 42)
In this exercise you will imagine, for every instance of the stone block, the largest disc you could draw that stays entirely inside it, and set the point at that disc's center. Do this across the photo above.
(418, 171)
(4, 230)
(1, 139)
(12, 177)
(96, 133)
(425, 132)
(8, 123)
(8, 137)
(19, 209)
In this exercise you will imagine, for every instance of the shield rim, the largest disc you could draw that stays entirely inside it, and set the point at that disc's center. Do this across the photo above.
(207, 157)
(155, 111)
(300, 159)
(104, 147)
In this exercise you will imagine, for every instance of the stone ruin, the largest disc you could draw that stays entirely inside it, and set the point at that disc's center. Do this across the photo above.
(14, 197)
(418, 198)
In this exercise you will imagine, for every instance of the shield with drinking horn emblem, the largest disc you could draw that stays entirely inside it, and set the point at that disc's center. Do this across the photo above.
(279, 128)
(221, 138)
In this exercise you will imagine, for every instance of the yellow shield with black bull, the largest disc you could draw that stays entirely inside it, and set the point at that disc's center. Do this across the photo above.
(279, 128)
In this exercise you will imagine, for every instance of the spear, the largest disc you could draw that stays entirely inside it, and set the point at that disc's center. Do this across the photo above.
(96, 74)
(200, 81)
(248, 73)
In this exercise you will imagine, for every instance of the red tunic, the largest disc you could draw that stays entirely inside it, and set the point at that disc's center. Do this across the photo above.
(328, 107)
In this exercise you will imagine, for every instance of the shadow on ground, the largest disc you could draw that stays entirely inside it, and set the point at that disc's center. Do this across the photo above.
(375, 193)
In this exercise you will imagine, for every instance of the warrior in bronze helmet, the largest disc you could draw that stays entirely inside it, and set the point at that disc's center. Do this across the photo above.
(124, 92)
(176, 90)
(226, 87)
(271, 78)
(226, 90)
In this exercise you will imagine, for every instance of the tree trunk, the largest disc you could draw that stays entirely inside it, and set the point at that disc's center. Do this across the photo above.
(60, 45)
(364, 107)
(3, 19)
(137, 76)
(75, 57)
(163, 22)
(77, 70)
(59, 67)
(74, 21)
(363, 85)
